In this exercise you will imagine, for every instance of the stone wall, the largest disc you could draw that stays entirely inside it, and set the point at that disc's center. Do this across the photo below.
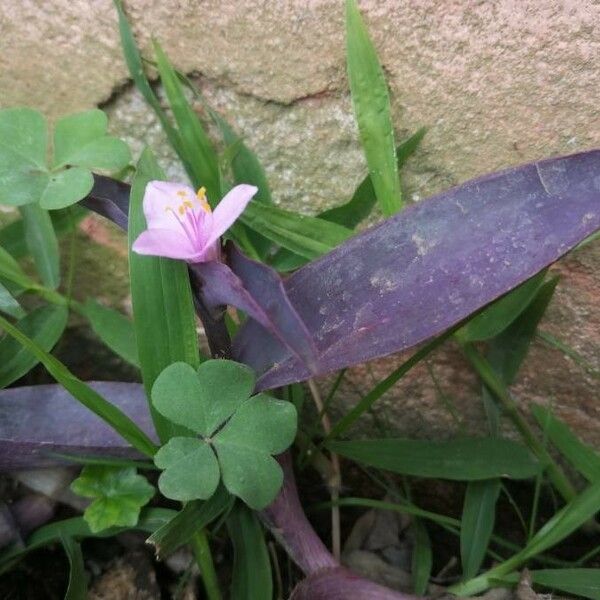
(497, 83)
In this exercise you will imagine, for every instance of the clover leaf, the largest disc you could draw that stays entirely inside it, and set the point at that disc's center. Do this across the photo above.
(232, 435)
(80, 143)
(119, 495)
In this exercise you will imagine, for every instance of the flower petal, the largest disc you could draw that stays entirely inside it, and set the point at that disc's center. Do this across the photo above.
(161, 200)
(167, 243)
(229, 209)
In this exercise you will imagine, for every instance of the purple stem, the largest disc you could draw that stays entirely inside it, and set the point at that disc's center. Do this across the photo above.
(286, 520)
(341, 584)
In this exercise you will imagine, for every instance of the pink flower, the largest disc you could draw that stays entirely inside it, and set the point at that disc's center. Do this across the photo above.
(181, 224)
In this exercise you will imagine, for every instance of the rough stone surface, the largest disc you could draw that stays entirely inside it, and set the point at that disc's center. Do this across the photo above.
(496, 83)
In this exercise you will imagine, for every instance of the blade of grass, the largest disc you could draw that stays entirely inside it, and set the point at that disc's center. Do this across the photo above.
(251, 578)
(193, 517)
(163, 310)
(372, 110)
(502, 395)
(42, 243)
(477, 524)
(195, 144)
(136, 70)
(77, 587)
(422, 558)
(584, 458)
(363, 200)
(468, 459)
(44, 325)
(114, 329)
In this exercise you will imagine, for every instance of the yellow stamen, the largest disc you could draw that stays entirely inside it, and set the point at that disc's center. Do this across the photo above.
(182, 193)
(201, 195)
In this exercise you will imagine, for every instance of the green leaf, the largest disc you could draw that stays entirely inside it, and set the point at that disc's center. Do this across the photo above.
(42, 243)
(422, 557)
(251, 578)
(114, 329)
(363, 200)
(469, 459)
(77, 587)
(199, 152)
(372, 110)
(190, 469)
(81, 139)
(583, 582)
(257, 428)
(117, 419)
(477, 523)
(44, 326)
(584, 458)
(118, 493)
(494, 319)
(309, 237)
(66, 188)
(23, 138)
(163, 310)
(202, 400)
(193, 517)
(9, 305)
(262, 426)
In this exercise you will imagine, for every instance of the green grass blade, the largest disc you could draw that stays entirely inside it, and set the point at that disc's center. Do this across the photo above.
(583, 582)
(42, 243)
(117, 419)
(585, 459)
(371, 102)
(77, 587)
(9, 305)
(193, 517)
(251, 578)
(468, 459)
(44, 326)
(136, 70)
(163, 310)
(309, 237)
(422, 558)
(494, 319)
(195, 144)
(363, 200)
(114, 329)
(477, 524)
(508, 350)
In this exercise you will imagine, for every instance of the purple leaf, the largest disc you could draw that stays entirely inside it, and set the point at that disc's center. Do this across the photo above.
(259, 291)
(109, 198)
(429, 267)
(36, 421)
(339, 584)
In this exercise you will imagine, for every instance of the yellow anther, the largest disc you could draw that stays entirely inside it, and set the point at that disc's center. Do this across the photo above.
(182, 193)
(181, 209)
(201, 193)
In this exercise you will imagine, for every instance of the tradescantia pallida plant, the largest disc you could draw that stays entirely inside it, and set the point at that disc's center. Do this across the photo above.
(315, 298)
